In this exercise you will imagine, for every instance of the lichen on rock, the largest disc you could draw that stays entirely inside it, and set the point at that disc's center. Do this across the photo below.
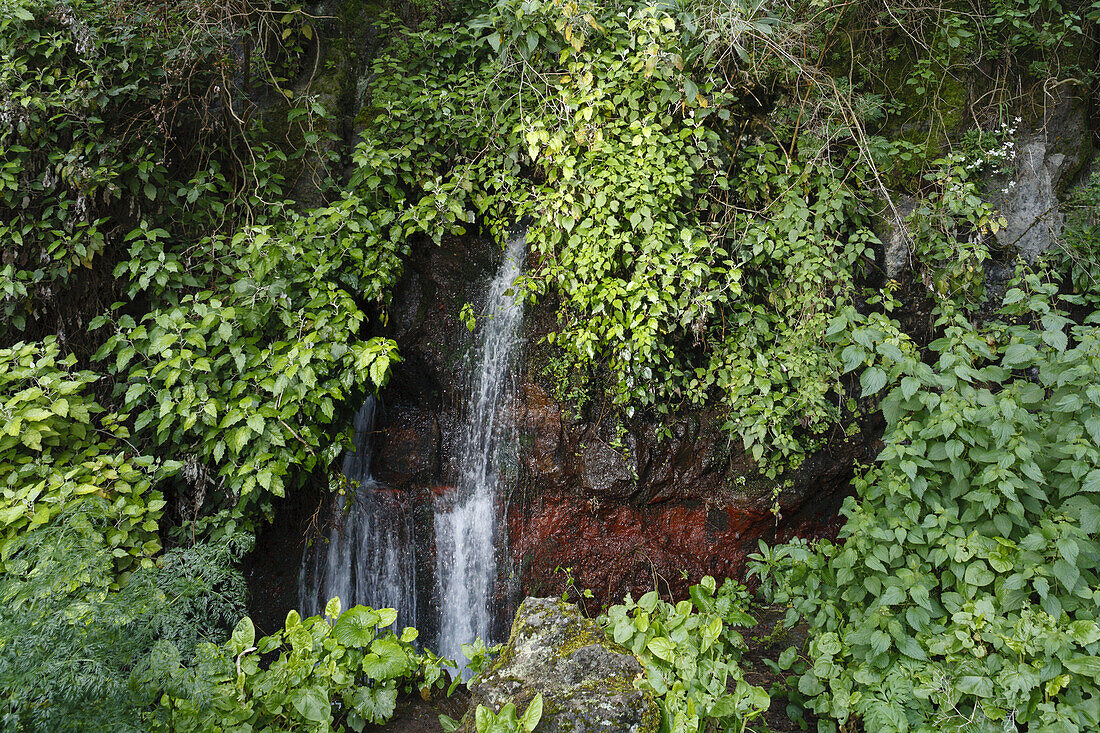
(586, 680)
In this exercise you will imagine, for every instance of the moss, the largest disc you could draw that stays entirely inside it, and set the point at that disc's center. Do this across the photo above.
(579, 633)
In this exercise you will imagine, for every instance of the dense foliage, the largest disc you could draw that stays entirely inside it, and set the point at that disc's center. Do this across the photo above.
(691, 652)
(964, 592)
(60, 449)
(693, 262)
(75, 650)
(181, 342)
(333, 670)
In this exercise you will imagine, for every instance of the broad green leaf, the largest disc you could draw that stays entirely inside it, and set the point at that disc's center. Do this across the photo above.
(662, 648)
(872, 380)
(356, 627)
(312, 704)
(244, 636)
(1083, 665)
(531, 717)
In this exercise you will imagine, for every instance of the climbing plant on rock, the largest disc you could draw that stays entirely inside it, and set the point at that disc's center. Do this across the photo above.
(676, 241)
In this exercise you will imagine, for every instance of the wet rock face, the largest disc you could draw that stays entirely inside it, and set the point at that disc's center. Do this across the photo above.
(586, 680)
(659, 512)
(658, 504)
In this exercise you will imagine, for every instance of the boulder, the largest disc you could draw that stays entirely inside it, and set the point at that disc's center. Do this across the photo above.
(586, 680)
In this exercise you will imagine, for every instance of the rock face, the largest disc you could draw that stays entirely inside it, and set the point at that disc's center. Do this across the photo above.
(586, 680)
(1048, 160)
(666, 508)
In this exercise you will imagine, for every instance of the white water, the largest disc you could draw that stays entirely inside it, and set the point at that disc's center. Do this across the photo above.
(370, 554)
(466, 521)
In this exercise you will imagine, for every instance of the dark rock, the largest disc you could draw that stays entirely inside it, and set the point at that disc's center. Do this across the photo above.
(896, 237)
(586, 680)
(609, 471)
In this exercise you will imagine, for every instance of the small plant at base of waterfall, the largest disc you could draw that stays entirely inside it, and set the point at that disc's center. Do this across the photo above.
(691, 653)
(507, 720)
(571, 591)
(332, 670)
(467, 317)
(790, 666)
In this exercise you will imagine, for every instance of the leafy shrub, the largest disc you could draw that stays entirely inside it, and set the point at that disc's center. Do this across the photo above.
(964, 592)
(331, 670)
(251, 374)
(59, 448)
(691, 653)
(114, 115)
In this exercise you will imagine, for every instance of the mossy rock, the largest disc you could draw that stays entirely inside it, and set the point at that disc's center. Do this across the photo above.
(586, 680)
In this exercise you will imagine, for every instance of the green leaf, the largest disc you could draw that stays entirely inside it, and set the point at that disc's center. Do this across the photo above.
(386, 660)
(1087, 666)
(312, 704)
(910, 647)
(1018, 356)
(376, 704)
(1067, 574)
(386, 616)
(662, 648)
(975, 685)
(532, 715)
(872, 380)
(829, 644)
(244, 636)
(483, 718)
(978, 574)
(356, 627)
(134, 391)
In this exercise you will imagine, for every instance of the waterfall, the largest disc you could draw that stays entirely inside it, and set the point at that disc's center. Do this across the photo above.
(370, 553)
(466, 521)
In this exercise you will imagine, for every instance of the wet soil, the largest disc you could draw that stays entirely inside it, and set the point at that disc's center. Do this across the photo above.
(416, 715)
(767, 641)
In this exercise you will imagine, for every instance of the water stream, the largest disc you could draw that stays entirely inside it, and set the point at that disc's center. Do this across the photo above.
(466, 521)
(368, 556)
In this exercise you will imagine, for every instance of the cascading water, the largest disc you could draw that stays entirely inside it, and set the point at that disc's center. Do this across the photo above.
(466, 521)
(370, 554)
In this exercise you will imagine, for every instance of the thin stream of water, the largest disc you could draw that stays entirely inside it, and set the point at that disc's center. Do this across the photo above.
(466, 523)
(369, 555)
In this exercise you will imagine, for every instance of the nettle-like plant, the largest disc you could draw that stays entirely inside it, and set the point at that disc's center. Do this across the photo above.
(676, 242)
(59, 447)
(964, 592)
(253, 374)
(331, 671)
(691, 652)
